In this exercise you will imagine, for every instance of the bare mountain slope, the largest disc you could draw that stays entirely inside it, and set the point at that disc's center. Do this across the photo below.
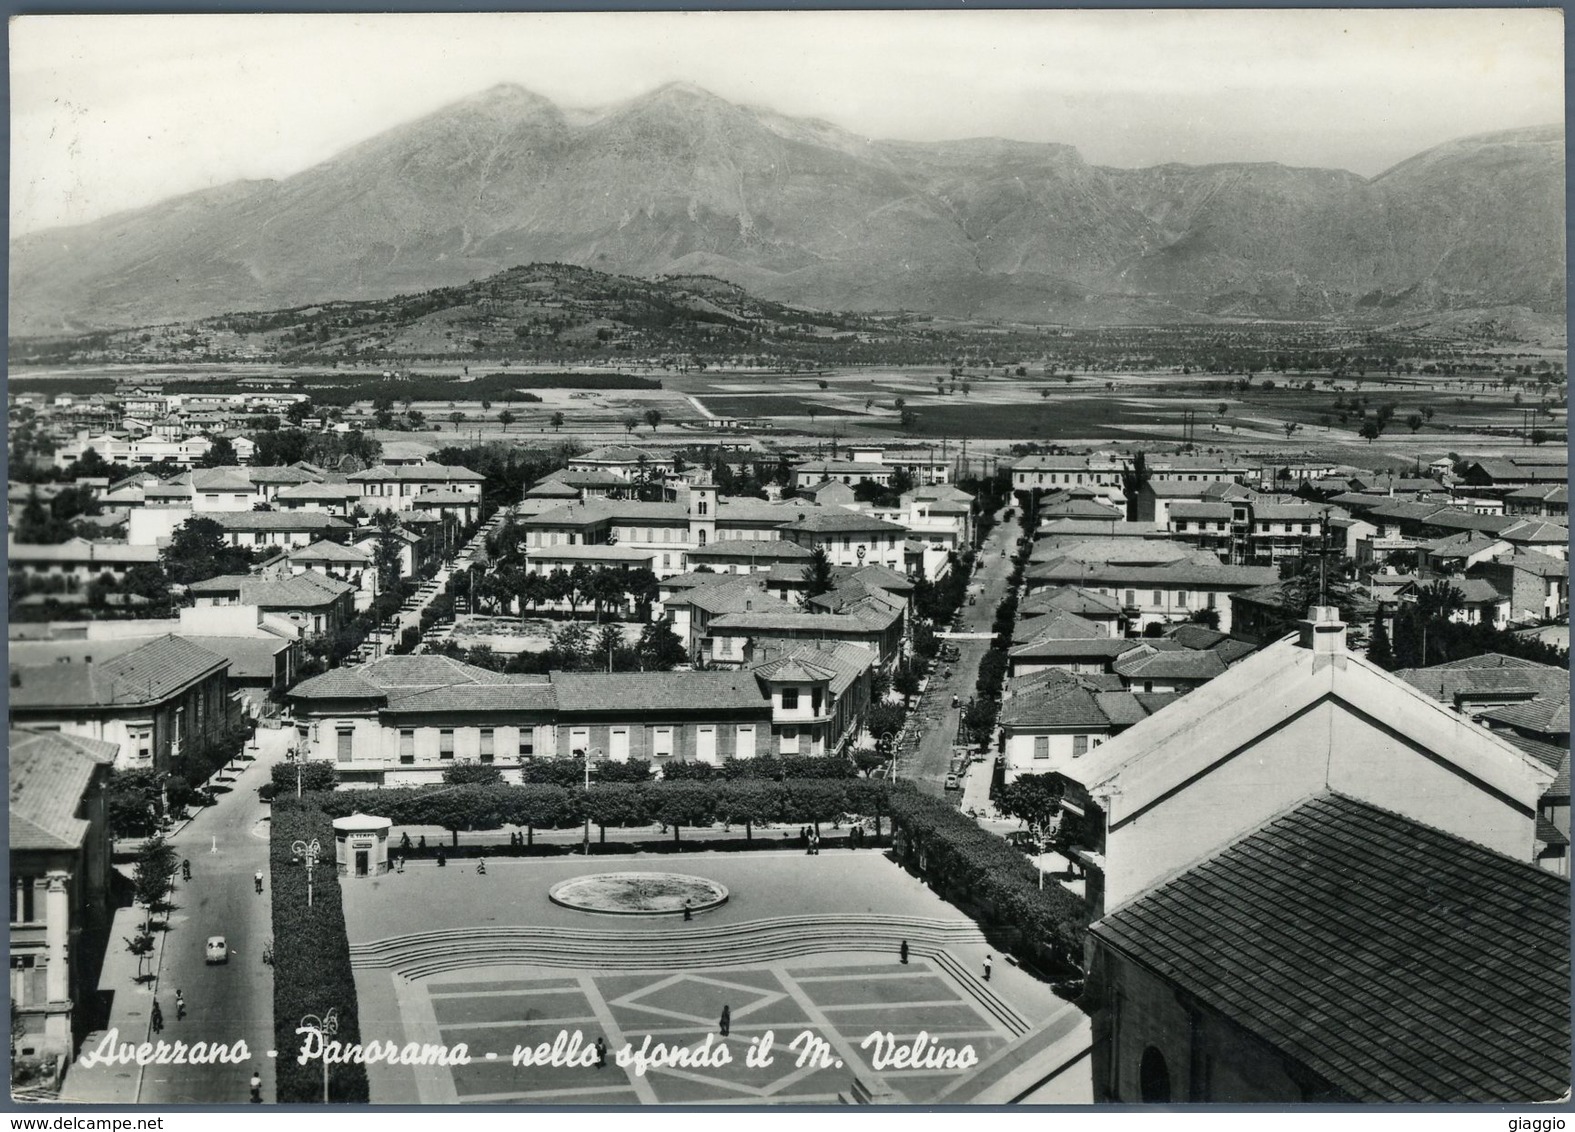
(802, 211)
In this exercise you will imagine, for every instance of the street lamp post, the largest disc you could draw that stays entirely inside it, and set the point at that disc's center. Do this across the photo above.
(588, 754)
(325, 1027)
(309, 851)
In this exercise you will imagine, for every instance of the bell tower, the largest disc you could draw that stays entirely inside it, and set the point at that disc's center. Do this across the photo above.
(702, 512)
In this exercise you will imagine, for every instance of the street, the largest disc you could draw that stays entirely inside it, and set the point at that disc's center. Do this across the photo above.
(225, 1002)
(926, 765)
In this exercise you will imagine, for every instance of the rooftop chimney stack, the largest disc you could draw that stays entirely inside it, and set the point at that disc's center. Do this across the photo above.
(1323, 632)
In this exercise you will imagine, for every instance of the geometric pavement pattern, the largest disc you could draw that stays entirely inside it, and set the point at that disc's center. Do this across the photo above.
(840, 1004)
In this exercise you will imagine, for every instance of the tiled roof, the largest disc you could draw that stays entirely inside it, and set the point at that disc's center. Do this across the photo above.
(1373, 950)
(324, 551)
(730, 593)
(297, 591)
(1535, 562)
(1214, 511)
(319, 521)
(1491, 674)
(1061, 626)
(49, 773)
(766, 621)
(1545, 753)
(416, 473)
(251, 658)
(550, 488)
(1151, 663)
(1070, 599)
(768, 549)
(837, 519)
(633, 692)
(147, 674)
(289, 474)
(1462, 544)
(1551, 716)
(311, 490)
(845, 660)
(794, 669)
(880, 577)
(1073, 648)
(1071, 529)
(222, 479)
(476, 697)
(1536, 530)
(1080, 509)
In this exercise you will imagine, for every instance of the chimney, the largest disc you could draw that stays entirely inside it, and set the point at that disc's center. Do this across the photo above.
(1323, 632)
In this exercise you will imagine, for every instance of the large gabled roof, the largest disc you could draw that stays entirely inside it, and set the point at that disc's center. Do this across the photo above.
(630, 693)
(834, 520)
(1373, 950)
(144, 675)
(417, 473)
(49, 774)
(1489, 674)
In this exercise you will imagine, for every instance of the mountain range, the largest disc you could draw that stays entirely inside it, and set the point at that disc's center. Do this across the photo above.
(682, 182)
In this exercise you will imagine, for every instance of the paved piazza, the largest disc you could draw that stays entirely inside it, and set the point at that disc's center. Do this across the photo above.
(839, 996)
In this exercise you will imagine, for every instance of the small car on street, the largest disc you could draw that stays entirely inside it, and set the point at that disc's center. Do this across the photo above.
(217, 951)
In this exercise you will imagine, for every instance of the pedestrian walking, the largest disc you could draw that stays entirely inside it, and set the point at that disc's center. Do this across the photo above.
(481, 867)
(601, 1053)
(180, 1006)
(727, 1020)
(404, 840)
(903, 952)
(688, 912)
(185, 870)
(257, 880)
(986, 968)
(158, 1018)
(399, 863)
(442, 859)
(422, 844)
(256, 1088)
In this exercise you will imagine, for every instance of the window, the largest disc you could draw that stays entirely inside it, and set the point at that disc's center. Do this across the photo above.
(527, 743)
(446, 743)
(790, 740)
(1131, 597)
(407, 746)
(702, 507)
(1079, 746)
(1181, 598)
(487, 749)
(1212, 598)
(23, 910)
(1041, 746)
(346, 737)
(789, 699)
(1159, 598)
(579, 741)
(662, 742)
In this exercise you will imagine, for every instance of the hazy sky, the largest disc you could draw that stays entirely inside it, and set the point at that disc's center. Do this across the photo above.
(112, 112)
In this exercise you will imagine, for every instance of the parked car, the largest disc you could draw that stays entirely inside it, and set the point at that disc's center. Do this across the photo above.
(953, 783)
(217, 951)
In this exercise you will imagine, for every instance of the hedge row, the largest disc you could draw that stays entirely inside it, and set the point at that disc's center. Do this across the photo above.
(311, 958)
(974, 866)
(745, 802)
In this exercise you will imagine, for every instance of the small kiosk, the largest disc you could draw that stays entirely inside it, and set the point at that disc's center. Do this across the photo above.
(361, 845)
